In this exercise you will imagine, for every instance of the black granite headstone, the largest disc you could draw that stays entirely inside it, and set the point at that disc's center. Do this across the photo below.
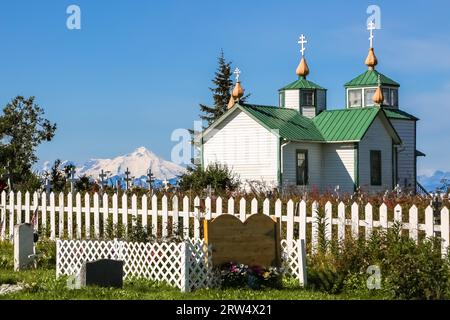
(102, 273)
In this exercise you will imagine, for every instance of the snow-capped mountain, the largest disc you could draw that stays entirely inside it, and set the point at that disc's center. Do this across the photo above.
(137, 162)
(434, 181)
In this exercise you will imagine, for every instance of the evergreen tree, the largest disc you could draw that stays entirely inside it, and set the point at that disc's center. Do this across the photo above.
(223, 84)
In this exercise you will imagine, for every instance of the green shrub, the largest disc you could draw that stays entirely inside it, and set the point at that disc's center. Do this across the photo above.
(409, 270)
(220, 178)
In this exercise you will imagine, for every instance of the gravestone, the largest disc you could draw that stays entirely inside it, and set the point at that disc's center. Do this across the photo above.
(104, 273)
(23, 246)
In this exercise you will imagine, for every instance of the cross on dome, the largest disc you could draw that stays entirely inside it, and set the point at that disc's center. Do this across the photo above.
(237, 72)
(302, 43)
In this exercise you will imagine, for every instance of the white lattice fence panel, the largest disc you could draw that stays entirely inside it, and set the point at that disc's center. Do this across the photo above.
(293, 260)
(200, 265)
(184, 265)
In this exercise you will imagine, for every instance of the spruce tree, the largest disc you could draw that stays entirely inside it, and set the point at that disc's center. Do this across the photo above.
(223, 84)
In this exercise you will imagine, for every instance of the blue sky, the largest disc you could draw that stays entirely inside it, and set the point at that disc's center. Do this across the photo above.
(138, 69)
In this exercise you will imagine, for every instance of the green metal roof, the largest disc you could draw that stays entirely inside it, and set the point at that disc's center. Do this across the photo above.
(329, 126)
(370, 78)
(302, 83)
(289, 123)
(398, 114)
(345, 124)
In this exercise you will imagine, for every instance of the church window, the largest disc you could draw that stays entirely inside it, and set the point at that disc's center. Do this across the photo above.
(394, 97)
(387, 97)
(307, 97)
(368, 97)
(355, 98)
(375, 167)
(302, 167)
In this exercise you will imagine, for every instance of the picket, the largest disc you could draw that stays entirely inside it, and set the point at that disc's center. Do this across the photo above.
(125, 212)
(369, 220)
(302, 222)
(186, 217)
(144, 215)
(231, 205)
(19, 208)
(115, 205)
(165, 217)
(429, 222)
(197, 217)
(87, 216)
(27, 207)
(105, 210)
(96, 216)
(266, 207)
(328, 220)
(445, 230)
(341, 223)
(69, 216)
(383, 217)
(53, 217)
(290, 224)
(61, 216)
(355, 220)
(154, 215)
(134, 210)
(175, 215)
(315, 226)
(3, 216)
(413, 224)
(254, 209)
(11, 214)
(79, 211)
(35, 217)
(242, 208)
(218, 207)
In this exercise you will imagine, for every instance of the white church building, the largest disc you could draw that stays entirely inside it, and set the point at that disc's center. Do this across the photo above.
(370, 144)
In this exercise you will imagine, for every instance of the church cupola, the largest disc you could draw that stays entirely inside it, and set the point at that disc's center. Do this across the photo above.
(372, 88)
(238, 91)
(303, 95)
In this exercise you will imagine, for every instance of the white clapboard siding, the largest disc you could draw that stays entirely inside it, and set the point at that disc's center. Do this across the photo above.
(406, 157)
(376, 138)
(292, 99)
(289, 159)
(295, 217)
(338, 167)
(245, 146)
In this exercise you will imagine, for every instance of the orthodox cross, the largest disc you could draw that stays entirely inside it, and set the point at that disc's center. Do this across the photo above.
(72, 179)
(149, 179)
(302, 43)
(127, 179)
(102, 176)
(371, 26)
(166, 184)
(48, 186)
(237, 72)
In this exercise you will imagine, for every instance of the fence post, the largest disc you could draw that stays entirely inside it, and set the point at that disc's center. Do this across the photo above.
(355, 220)
(70, 216)
(78, 213)
(175, 215)
(165, 217)
(186, 210)
(429, 222)
(302, 226)
(27, 207)
(302, 272)
(185, 267)
(197, 218)
(11, 215)
(61, 215)
(341, 221)
(52, 216)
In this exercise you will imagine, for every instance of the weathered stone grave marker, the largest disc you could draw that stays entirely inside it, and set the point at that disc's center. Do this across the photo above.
(102, 273)
(23, 246)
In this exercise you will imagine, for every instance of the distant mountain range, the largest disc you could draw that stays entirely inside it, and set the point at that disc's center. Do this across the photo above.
(138, 162)
(436, 180)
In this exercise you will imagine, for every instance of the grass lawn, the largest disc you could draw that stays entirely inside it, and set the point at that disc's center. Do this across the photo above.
(43, 285)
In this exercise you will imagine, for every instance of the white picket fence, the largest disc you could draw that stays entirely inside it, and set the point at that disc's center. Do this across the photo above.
(76, 217)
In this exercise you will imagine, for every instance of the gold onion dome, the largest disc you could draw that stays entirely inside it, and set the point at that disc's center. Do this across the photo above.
(238, 91)
(371, 60)
(302, 69)
(378, 96)
(231, 102)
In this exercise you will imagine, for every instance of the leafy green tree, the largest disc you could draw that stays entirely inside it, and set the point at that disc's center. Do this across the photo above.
(23, 121)
(57, 176)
